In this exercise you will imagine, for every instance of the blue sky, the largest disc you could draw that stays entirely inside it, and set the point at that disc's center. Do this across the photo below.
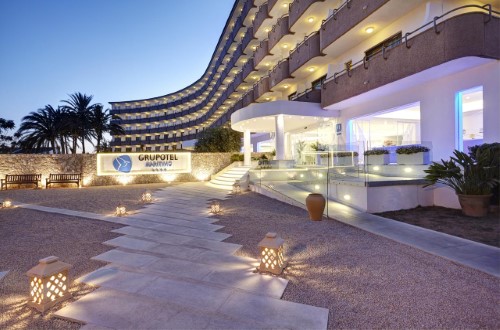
(116, 50)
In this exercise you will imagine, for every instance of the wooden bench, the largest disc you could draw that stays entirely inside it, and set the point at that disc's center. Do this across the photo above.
(20, 179)
(64, 178)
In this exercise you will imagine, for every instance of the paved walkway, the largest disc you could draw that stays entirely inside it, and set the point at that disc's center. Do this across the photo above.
(476, 255)
(170, 269)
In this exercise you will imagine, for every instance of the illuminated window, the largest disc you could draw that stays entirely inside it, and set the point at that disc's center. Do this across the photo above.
(469, 110)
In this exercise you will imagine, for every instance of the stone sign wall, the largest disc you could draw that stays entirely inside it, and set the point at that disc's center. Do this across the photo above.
(203, 166)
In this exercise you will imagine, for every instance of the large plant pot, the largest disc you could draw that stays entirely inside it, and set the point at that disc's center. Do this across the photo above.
(474, 205)
(315, 206)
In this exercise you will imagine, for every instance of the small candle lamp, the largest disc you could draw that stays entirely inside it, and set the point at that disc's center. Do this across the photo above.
(6, 203)
(271, 254)
(147, 197)
(236, 188)
(49, 283)
(121, 210)
(215, 207)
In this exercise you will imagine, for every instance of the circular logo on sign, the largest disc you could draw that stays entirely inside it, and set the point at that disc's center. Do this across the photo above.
(123, 163)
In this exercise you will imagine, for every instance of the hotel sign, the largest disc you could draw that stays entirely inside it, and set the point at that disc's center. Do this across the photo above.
(143, 163)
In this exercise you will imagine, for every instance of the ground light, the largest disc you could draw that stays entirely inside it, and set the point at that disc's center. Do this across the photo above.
(147, 197)
(6, 203)
(271, 254)
(121, 210)
(236, 188)
(49, 283)
(215, 207)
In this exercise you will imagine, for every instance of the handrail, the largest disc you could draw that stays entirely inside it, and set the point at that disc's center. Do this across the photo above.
(302, 94)
(334, 12)
(303, 41)
(364, 60)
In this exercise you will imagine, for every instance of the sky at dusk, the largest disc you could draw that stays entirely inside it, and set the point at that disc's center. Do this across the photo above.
(116, 50)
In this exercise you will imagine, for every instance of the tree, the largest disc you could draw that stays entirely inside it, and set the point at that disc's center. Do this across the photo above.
(219, 139)
(101, 123)
(79, 105)
(5, 125)
(40, 130)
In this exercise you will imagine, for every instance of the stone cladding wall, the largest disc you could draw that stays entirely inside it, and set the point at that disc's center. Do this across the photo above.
(203, 166)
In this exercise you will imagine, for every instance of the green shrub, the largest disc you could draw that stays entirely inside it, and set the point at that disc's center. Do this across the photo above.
(237, 157)
(346, 154)
(413, 149)
(218, 139)
(375, 152)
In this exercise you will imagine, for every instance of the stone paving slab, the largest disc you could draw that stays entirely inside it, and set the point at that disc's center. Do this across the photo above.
(174, 239)
(3, 274)
(194, 213)
(126, 258)
(177, 221)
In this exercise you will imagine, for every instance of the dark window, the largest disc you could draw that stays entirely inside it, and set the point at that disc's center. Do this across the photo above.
(157, 148)
(138, 138)
(138, 148)
(318, 82)
(128, 139)
(148, 138)
(175, 135)
(157, 137)
(118, 149)
(291, 96)
(148, 148)
(174, 147)
(388, 43)
(117, 139)
(128, 149)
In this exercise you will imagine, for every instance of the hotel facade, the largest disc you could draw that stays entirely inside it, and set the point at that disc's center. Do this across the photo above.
(350, 75)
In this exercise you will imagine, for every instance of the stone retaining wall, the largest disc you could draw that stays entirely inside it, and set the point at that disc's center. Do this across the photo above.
(203, 166)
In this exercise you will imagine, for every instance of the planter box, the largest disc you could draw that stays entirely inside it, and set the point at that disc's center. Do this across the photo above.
(420, 158)
(377, 159)
(345, 161)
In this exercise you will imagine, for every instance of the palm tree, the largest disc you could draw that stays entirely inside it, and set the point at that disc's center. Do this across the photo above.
(40, 130)
(5, 125)
(101, 122)
(80, 106)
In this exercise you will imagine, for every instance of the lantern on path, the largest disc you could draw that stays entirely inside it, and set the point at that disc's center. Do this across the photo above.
(121, 210)
(215, 207)
(6, 203)
(49, 283)
(147, 197)
(237, 187)
(271, 254)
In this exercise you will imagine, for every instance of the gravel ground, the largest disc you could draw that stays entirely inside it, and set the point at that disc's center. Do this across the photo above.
(484, 230)
(366, 281)
(28, 235)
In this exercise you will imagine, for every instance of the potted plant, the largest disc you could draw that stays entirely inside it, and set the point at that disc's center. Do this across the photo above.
(472, 179)
(413, 155)
(346, 158)
(322, 153)
(377, 157)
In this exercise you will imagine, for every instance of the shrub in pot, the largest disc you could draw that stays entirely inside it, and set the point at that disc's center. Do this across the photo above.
(492, 151)
(413, 155)
(346, 158)
(472, 179)
(377, 157)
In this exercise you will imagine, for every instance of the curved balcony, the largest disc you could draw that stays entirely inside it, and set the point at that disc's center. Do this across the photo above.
(270, 5)
(298, 8)
(305, 51)
(261, 87)
(345, 18)
(261, 52)
(248, 98)
(279, 30)
(279, 73)
(261, 15)
(311, 95)
(467, 35)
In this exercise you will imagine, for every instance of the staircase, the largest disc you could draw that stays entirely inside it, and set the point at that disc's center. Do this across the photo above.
(226, 178)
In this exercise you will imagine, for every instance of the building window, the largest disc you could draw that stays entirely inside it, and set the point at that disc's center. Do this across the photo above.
(128, 139)
(117, 139)
(128, 149)
(470, 123)
(138, 149)
(148, 138)
(318, 83)
(174, 147)
(148, 148)
(157, 148)
(118, 149)
(157, 137)
(388, 43)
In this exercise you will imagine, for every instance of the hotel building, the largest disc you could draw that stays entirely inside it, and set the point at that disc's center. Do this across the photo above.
(352, 74)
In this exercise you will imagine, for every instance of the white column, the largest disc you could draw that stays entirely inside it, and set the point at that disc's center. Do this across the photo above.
(280, 137)
(247, 148)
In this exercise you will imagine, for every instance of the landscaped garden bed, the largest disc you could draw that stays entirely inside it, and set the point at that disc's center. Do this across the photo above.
(484, 230)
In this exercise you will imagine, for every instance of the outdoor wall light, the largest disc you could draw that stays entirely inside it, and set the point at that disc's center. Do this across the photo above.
(302, 175)
(6, 203)
(147, 197)
(121, 210)
(408, 170)
(347, 197)
(271, 254)
(369, 29)
(376, 168)
(49, 283)
(320, 175)
(316, 187)
(215, 207)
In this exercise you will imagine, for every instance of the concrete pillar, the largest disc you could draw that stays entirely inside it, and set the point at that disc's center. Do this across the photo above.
(247, 148)
(280, 137)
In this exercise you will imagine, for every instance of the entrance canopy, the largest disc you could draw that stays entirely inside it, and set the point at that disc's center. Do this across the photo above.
(261, 117)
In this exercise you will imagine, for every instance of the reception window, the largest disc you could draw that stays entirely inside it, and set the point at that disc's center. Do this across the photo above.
(469, 108)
